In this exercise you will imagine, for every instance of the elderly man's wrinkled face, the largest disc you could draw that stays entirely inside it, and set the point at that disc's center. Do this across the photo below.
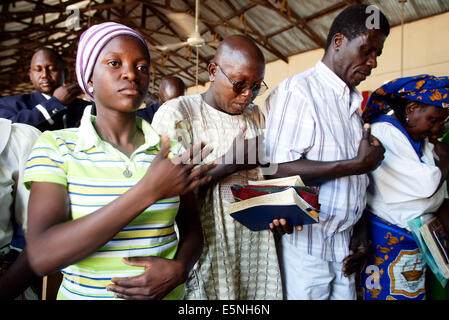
(357, 57)
(235, 85)
(46, 72)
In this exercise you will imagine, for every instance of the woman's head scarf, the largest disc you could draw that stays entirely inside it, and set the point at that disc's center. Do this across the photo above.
(91, 42)
(423, 88)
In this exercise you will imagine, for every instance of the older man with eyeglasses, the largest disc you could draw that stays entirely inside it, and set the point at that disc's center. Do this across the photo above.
(236, 263)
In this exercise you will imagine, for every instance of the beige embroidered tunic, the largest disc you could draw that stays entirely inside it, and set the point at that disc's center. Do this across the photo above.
(236, 262)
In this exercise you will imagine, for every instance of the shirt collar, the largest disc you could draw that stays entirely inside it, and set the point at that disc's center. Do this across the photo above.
(88, 136)
(332, 79)
(46, 96)
(339, 86)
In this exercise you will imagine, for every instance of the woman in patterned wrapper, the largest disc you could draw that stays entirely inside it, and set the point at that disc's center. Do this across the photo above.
(407, 185)
(116, 186)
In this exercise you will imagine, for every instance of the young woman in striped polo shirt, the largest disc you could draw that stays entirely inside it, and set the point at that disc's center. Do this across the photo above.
(105, 196)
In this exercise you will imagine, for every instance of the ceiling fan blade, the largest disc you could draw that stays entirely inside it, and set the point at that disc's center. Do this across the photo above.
(171, 46)
(184, 21)
(214, 43)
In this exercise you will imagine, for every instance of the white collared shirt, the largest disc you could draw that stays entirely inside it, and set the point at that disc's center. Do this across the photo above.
(44, 111)
(314, 115)
(16, 141)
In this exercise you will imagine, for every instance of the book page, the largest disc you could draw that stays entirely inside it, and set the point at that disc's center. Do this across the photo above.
(443, 241)
(287, 181)
(433, 245)
(286, 197)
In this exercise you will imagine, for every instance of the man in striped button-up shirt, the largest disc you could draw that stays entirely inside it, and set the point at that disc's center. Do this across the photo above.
(314, 129)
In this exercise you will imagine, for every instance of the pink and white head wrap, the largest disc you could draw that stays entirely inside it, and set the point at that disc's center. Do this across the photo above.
(91, 42)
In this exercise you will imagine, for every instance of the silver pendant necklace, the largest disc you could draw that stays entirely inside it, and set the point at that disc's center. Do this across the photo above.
(127, 173)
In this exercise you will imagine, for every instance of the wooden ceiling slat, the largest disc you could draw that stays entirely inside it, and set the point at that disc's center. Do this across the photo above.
(325, 11)
(317, 15)
(270, 49)
(298, 22)
(149, 18)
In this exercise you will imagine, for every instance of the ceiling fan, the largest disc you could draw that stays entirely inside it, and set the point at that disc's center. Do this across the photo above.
(189, 26)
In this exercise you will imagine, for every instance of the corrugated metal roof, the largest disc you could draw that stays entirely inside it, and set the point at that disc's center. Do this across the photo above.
(280, 27)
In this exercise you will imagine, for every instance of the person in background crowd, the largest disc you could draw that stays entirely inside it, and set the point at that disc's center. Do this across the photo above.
(54, 105)
(16, 141)
(169, 88)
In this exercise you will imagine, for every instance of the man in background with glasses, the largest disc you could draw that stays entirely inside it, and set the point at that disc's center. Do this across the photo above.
(236, 263)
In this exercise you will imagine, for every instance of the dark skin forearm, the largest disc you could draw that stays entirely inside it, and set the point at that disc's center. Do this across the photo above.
(169, 273)
(317, 172)
(369, 156)
(220, 172)
(358, 247)
(442, 151)
(68, 241)
(55, 241)
(223, 170)
(190, 233)
(443, 214)
(443, 165)
(17, 278)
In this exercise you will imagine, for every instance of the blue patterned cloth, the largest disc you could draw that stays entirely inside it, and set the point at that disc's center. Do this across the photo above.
(396, 268)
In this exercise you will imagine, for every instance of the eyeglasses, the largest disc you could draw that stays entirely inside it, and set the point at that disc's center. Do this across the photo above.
(257, 89)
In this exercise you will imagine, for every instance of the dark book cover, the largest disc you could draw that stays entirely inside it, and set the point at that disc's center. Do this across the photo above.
(258, 218)
(257, 207)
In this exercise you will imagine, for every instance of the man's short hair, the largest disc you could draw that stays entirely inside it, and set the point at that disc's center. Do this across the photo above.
(173, 80)
(354, 21)
(52, 51)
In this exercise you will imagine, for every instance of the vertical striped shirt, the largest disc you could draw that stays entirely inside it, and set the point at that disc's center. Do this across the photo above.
(94, 173)
(314, 115)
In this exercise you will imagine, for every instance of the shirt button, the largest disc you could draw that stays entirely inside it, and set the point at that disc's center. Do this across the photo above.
(55, 110)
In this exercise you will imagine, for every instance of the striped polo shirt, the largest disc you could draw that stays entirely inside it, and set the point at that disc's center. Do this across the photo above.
(314, 115)
(95, 173)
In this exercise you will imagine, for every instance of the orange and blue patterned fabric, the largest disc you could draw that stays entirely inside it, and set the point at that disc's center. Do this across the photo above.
(423, 88)
(396, 268)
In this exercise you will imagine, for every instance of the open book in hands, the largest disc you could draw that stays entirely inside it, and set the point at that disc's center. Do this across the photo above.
(260, 202)
(437, 240)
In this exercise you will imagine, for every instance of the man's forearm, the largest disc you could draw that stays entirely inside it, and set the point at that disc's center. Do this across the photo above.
(191, 233)
(316, 172)
(221, 171)
(18, 277)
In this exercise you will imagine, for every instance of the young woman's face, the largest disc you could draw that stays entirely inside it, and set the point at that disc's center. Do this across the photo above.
(425, 120)
(121, 74)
